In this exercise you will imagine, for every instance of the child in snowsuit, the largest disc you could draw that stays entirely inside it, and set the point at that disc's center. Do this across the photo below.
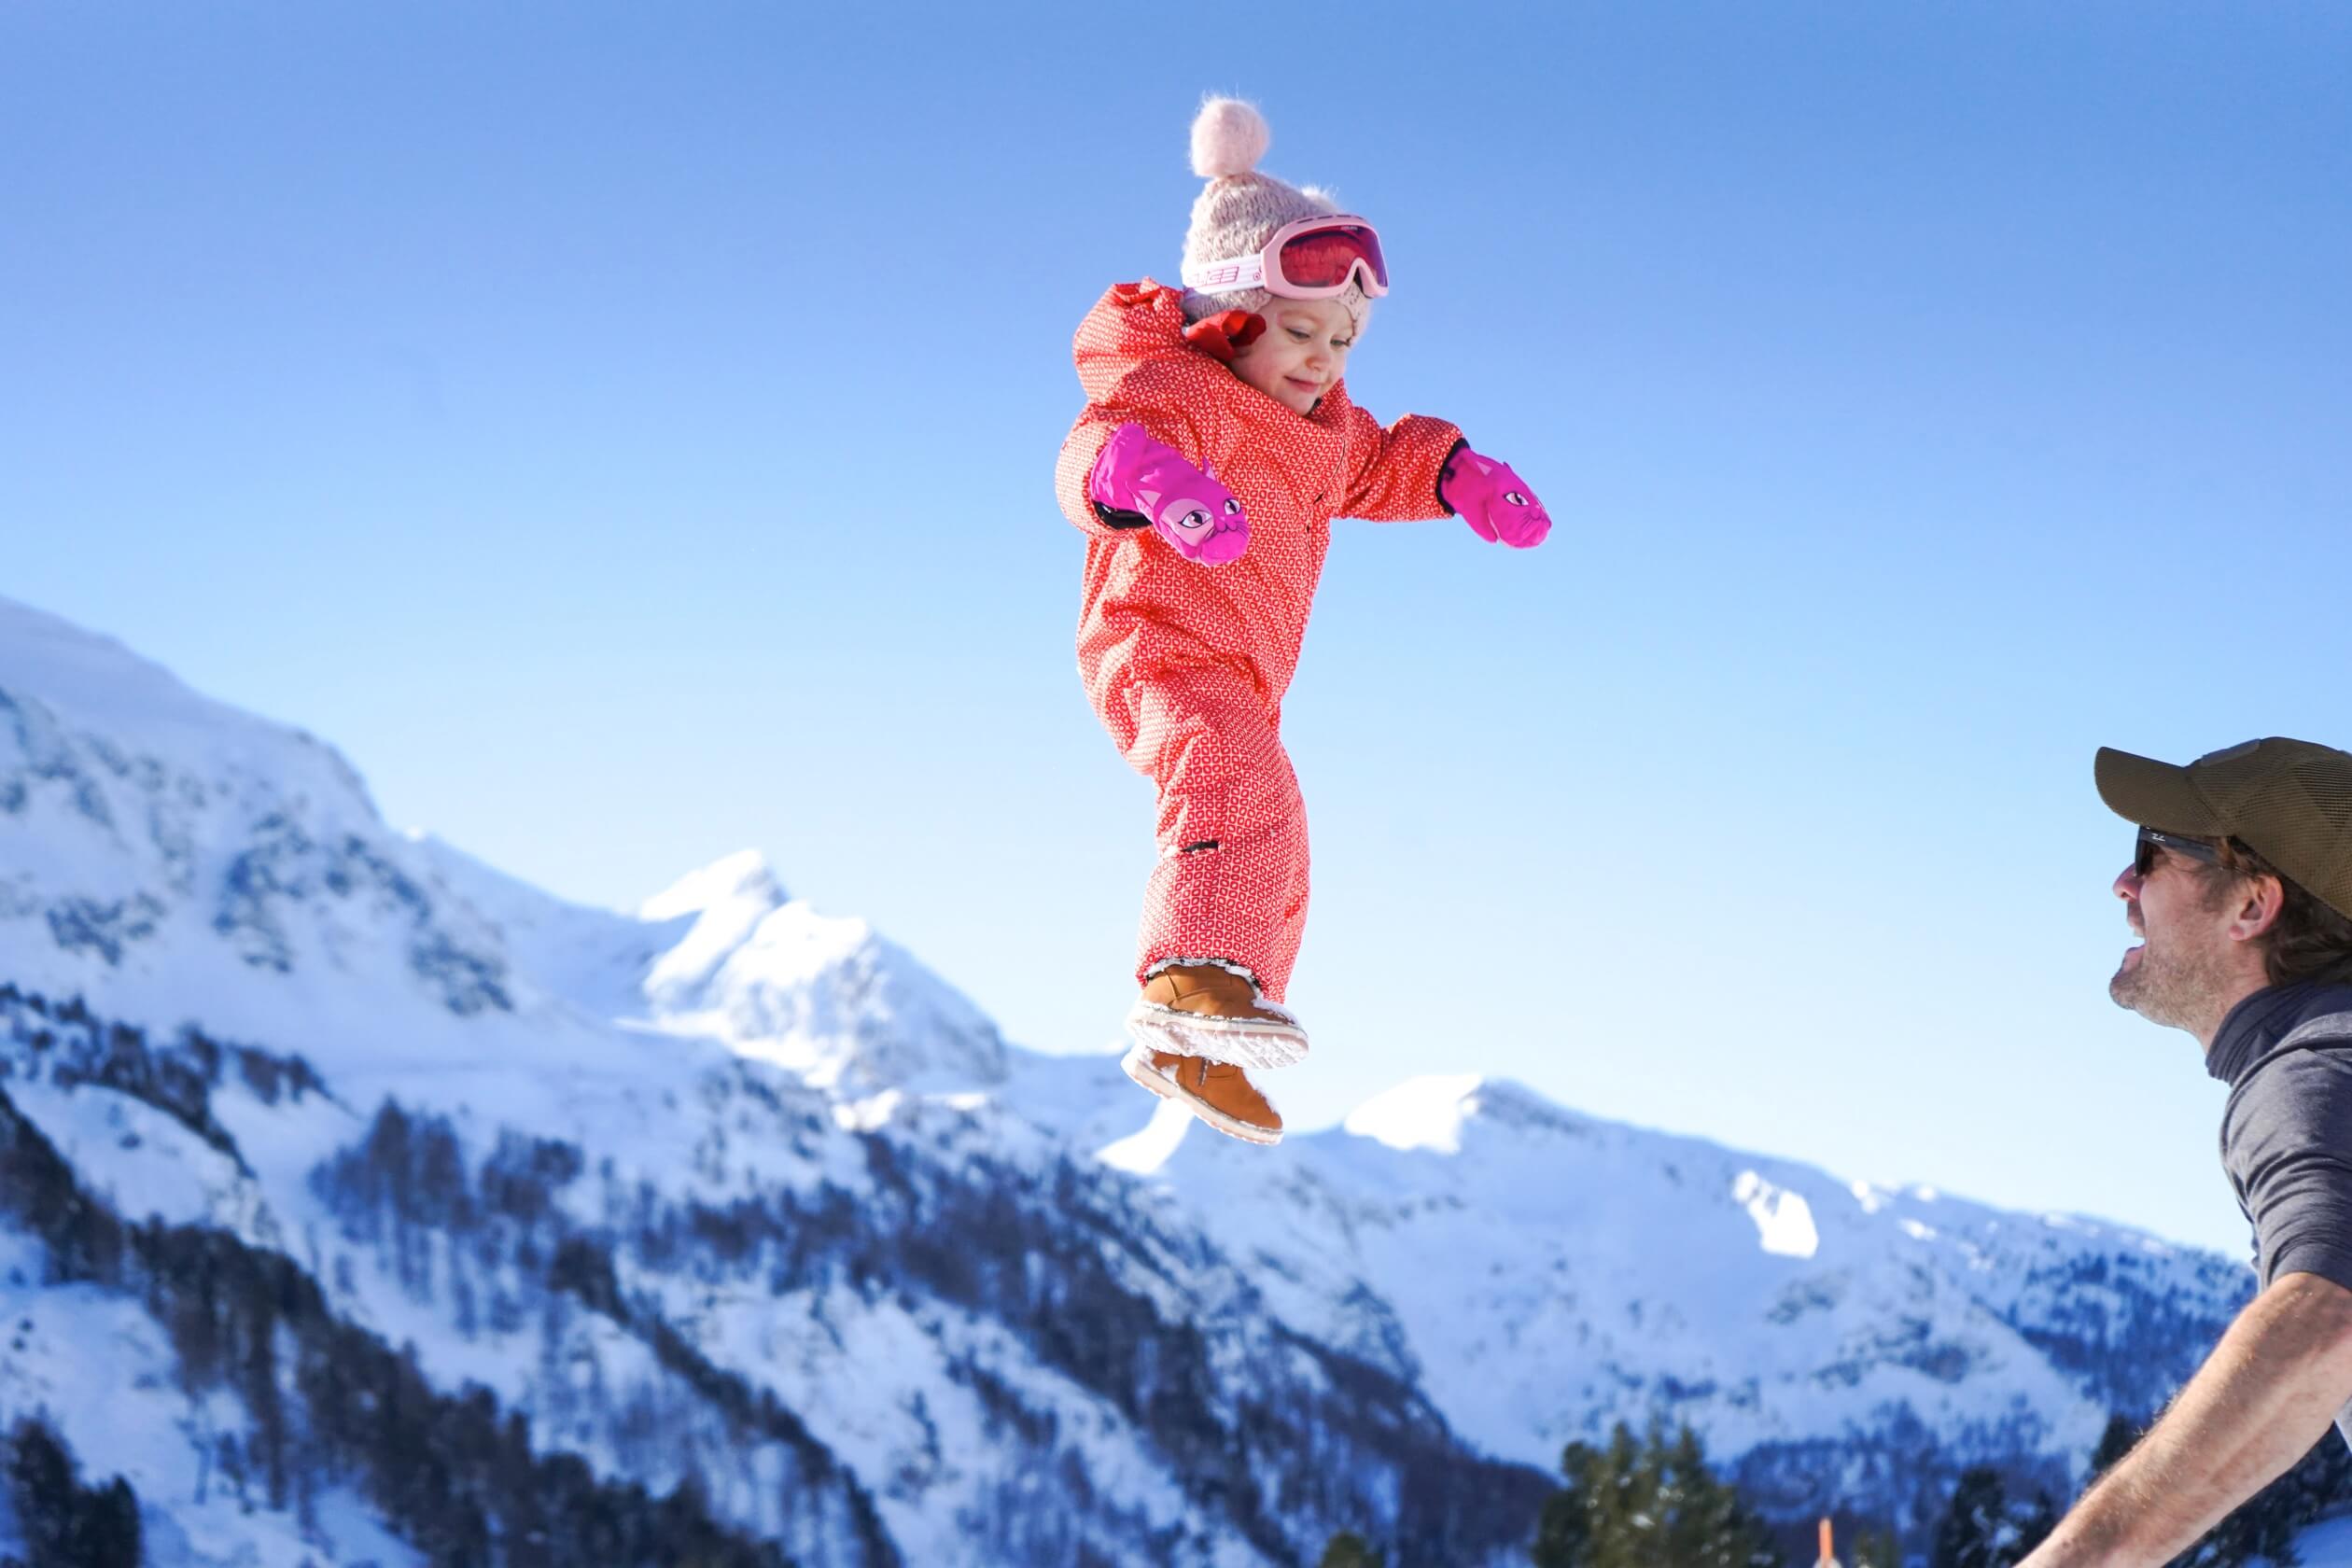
(1216, 446)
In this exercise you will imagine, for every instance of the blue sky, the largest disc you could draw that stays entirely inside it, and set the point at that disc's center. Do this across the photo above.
(628, 432)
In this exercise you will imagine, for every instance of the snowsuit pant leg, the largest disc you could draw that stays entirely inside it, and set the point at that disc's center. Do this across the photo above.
(1231, 882)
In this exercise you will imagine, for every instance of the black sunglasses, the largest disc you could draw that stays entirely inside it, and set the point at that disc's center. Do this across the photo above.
(2144, 852)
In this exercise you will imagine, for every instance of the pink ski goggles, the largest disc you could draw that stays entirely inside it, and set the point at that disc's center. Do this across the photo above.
(1313, 258)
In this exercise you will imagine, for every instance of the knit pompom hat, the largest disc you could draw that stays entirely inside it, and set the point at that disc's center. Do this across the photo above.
(1241, 208)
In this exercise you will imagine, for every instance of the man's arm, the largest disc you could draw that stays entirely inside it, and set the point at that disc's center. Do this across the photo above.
(2258, 1404)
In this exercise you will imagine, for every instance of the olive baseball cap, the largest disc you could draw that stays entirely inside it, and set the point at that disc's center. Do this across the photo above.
(2289, 800)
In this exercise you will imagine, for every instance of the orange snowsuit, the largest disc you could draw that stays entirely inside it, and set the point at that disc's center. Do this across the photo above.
(1185, 664)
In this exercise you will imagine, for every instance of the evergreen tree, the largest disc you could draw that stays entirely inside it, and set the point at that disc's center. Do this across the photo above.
(1563, 1528)
(1648, 1503)
(65, 1525)
(1874, 1548)
(1349, 1550)
(1982, 1528)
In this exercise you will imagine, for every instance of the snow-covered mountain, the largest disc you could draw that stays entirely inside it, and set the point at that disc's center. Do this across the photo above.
(365, 1203)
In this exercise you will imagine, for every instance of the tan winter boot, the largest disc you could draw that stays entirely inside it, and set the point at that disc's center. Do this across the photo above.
(1215, 1013)
(1219, 1093)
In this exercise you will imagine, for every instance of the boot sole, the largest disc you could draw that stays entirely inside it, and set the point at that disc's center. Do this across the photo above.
(1138, 1063)
(1242, 1041)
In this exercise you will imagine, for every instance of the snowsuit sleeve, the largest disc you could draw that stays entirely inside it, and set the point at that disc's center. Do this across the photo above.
(1393, 474)
(1158, 394)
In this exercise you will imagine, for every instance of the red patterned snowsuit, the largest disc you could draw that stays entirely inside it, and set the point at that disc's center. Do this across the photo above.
(1186, 664)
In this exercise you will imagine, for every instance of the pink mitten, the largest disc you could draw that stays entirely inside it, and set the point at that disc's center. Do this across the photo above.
(1494, 500)
(1150, 482)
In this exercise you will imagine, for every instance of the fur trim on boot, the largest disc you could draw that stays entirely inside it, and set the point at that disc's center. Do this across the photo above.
(1213, 1010)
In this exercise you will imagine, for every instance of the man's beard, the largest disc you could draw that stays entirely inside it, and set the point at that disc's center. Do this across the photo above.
(2167, 988)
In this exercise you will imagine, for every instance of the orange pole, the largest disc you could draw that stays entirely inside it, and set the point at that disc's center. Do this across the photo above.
(1828, 1556)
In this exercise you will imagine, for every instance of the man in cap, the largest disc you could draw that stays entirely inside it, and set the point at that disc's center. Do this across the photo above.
(2241, 885)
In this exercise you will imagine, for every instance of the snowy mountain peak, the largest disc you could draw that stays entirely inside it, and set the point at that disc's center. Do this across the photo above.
(1424, 1113)
(824, 996)
(172, 858)
(1433, 1113)
(58, 680)
(723, 955)
(726, 901)
(158, 849)
(741, 882)
(87, 678)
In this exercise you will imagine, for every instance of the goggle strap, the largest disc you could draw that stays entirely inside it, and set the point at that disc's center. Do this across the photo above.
(1227, 276)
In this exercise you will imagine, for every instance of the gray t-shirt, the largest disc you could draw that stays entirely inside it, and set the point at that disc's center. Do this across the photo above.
(2286, 1133)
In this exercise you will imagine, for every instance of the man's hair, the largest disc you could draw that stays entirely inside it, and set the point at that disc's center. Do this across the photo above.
(2310, 941)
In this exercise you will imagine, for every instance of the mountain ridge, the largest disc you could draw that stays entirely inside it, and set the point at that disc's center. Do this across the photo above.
(992, 1285)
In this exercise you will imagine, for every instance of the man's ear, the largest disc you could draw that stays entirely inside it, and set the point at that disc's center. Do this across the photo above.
(2262, 899)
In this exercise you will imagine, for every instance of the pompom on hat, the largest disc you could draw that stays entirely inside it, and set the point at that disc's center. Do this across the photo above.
(1241, 208)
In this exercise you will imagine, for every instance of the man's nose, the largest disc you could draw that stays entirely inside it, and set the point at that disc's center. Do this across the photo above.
(2127, 884)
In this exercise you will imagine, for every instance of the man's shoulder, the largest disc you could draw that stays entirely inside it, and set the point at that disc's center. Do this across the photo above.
(2315, 1053)
(2298, 1092)
(2322, 1031)
(2313, 1050)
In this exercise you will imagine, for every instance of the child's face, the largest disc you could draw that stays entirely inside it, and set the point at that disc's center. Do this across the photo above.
(1302, 353)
